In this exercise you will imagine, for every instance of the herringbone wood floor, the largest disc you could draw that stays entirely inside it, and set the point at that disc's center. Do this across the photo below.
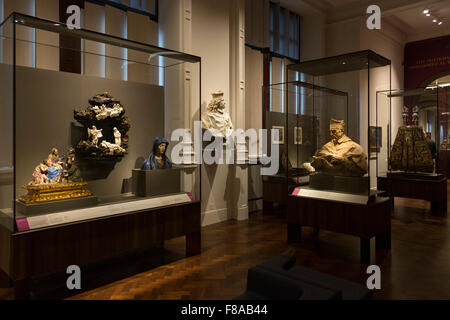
(417, 267)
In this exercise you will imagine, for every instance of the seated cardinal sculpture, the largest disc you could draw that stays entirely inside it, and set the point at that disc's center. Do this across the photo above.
(341, 156)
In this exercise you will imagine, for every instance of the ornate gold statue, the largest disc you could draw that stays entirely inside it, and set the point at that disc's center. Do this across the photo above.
(410, 151)
(341, 156)
(55, 179)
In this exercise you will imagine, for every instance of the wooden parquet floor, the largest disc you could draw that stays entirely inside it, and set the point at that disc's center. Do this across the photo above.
(417, 267)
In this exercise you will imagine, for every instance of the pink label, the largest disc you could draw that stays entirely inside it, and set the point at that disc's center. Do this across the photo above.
(296, 192)
(22, 224)
(190, 196)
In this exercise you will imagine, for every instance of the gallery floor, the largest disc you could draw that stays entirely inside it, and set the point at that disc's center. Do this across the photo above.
(417, 267)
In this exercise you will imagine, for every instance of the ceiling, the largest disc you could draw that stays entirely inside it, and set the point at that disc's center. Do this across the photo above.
(406, 15)
(413, 22)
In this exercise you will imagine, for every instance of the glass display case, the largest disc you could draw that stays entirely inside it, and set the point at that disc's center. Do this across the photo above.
(300, 112)
(89, 123)
(412, 132)
(335, 99)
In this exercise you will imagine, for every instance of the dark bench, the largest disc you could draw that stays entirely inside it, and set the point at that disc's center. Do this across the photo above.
(279, 279)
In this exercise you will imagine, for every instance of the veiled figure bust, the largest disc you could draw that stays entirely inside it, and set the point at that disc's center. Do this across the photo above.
(341, 156)
(157, 159)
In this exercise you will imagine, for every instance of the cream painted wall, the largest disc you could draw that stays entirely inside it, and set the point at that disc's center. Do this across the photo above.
(170, 24)
(390, 43)
(277, 94)
(257, 18)
(312, 36)
(142, 29)
(115, 24)
(47, 43)
(182, 99)
(94, 57)
(25, 48)
(211, 41)
(209, 29)
(344, 37)
(253, 87)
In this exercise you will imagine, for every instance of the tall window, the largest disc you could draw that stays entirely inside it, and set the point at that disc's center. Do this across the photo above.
(294, 44)
(284, 31)
(141, 6)
(281, 49)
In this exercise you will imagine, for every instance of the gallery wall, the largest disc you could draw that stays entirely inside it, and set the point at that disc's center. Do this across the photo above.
(209, 29)
(44, 109)
(388, 42)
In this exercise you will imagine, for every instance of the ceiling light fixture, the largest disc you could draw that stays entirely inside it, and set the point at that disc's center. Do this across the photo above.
(440, 22)
(428, 14)
(434, 20)
(426, 11)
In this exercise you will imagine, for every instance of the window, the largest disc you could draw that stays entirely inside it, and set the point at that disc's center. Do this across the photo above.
(284, 31)
(281, 49)
(293, 35)
(147, 7)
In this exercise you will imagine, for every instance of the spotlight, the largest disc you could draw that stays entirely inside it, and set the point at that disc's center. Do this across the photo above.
(434, 20)
(440, 22)
(427, 14)
(426, 11)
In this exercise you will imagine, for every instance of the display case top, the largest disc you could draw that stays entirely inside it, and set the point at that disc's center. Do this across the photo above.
(303, 84)
(410, 92)
(61, 28)
(341, 63)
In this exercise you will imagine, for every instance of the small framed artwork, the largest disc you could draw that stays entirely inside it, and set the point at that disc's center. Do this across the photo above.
(280, 139)
(298, 135)
(375, 141)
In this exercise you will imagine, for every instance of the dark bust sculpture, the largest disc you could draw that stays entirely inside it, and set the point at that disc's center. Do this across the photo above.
(157, 158)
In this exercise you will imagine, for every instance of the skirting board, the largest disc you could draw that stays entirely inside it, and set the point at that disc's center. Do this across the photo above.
(219, 215)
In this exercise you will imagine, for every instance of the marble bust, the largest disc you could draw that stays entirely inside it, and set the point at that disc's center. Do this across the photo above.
(216, 118)
(341, 156)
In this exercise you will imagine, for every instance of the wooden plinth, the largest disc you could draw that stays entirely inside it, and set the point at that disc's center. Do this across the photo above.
(363, 221)
(274, 192)
(434, 191)
(50, 250)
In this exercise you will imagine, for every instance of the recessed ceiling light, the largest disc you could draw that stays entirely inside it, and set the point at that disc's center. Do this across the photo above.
(427, 14)
(440, 22)
(343, 62)
(426, 11)
(434, 20)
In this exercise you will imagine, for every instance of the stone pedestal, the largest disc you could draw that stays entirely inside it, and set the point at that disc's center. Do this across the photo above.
(150, 183)
(323, 181)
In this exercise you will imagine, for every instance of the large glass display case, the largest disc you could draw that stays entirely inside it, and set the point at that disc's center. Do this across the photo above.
(300, 112)
(410, 137)
(89, 123)
(334, 99)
